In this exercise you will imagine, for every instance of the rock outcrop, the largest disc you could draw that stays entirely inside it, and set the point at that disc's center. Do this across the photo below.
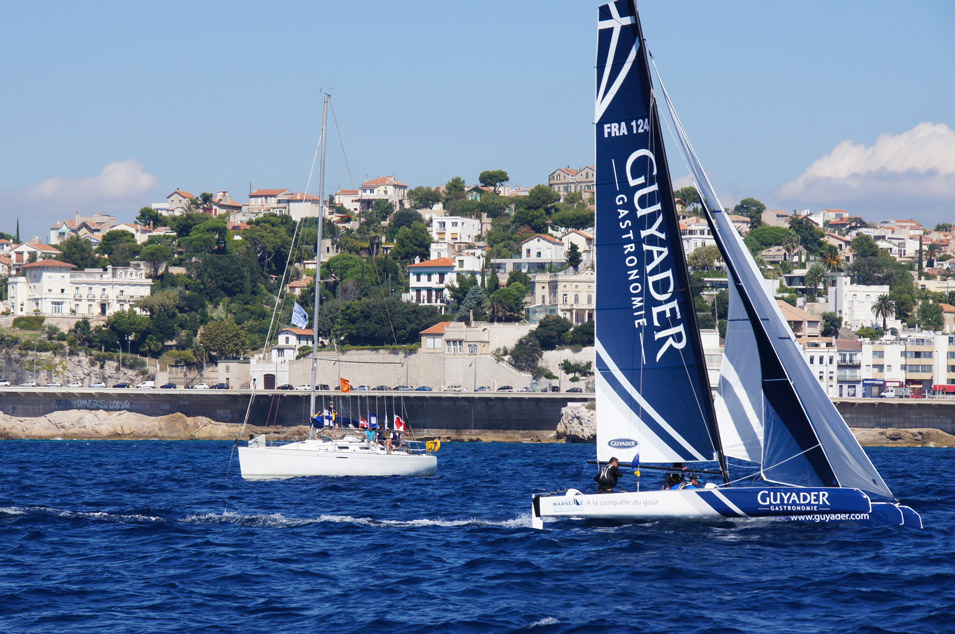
(104, 425)
(578, 423)
(893, 437)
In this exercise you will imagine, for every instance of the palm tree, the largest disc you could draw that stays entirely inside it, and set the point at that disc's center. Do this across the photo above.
(933, 250)
(883, 308)
(814, 276)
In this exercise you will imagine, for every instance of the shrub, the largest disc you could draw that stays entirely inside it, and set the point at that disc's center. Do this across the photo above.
(29, 322)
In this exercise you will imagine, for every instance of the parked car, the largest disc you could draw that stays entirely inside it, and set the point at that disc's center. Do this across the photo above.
(403, 388)
(285, 386)
(75, 384)
(382, 388)
(4, 383)
(53, 384)
(575, 390)
(304, 387)
(168, 386)
(323, 386)
(483, 388)
(28, 384)
(220, 386)
(199, 386)
(362, 388)
(121, 385)
(454, 388)
(524, 389)
(98, 384)
(423, 388)
(146, 385)
(505, 388)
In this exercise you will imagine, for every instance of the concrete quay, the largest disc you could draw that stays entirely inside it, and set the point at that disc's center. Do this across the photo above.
(505, 416)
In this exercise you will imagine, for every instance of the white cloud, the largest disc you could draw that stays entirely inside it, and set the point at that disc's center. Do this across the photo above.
(119, 181)
(917, 166)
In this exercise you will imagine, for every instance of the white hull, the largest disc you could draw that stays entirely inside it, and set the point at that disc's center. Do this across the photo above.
(348, 456)
(788, 503)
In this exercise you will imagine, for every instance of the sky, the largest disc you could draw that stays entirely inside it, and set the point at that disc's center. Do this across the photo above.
(111, 106)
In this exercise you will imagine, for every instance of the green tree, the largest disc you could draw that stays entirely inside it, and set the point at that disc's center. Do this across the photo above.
(493, 178)
(540, 197)
(577, 369)
(472, 304)
(705, 258)
(224, 339)
(883, 308)
(930, 316)
(810, 237)
(492, 283)
(454, 190)
(423, 197)
(689, 196)
(78, 251)
(156, 256)
(574, 257)
(128, 325)
(814, 277)
(831, 323)
(583, 334)
(864, 246)
(412, 242)
(119, 246)
(552, 331)
(149, 217)
(752, 209)
(573, 217)
(867, 332)
(526, 353)
(943, 226)
(520, 277)
(402, 218)
(506, 304)
(536, 219)
(766, 236)
(458, 290)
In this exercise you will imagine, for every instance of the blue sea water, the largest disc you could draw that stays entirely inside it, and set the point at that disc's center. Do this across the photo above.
(155, 537)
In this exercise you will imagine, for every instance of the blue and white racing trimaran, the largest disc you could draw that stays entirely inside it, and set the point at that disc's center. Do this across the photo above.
(654, 403)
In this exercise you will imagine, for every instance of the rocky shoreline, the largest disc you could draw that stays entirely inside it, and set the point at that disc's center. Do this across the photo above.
(577, 425)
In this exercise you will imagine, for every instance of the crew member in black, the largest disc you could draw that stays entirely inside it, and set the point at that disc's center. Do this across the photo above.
(674, 476)
(607, 478)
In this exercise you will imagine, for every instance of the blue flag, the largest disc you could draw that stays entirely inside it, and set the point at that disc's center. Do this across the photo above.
(299, 316)
(373, 421)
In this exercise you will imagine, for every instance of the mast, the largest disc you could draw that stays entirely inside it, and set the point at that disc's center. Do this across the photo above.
(318, 259)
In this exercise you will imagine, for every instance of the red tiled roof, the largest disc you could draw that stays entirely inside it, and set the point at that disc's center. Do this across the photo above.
(383, 180)
(182, 193)
(435, 263)
(550, 239)
(301, 332)
(267, 192)
(437, 329)
(56, 264)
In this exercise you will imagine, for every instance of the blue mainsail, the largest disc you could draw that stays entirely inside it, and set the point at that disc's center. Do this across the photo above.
(653, 394)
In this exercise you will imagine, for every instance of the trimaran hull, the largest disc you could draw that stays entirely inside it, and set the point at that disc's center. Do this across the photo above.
(782, 503)
(324, 458)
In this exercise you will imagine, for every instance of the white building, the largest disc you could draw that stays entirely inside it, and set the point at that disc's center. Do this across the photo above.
(822, 358)
(51, 287)
(584, 242)
(569, 295)
(854, 302)
(454, 229)
(695, 233)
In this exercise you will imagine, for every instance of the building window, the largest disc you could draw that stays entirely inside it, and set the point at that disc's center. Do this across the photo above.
(472, 348)
(564, 298)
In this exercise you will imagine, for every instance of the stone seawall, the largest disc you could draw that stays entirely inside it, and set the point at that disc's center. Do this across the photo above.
(458, 416)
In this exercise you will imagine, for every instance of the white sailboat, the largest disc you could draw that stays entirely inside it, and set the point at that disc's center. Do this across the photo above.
(333, 451)
(654, 403)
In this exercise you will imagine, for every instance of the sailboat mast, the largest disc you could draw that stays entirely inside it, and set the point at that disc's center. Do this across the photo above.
(318, 257)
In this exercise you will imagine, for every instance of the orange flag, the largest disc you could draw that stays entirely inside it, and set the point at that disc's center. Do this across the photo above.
(345, 385)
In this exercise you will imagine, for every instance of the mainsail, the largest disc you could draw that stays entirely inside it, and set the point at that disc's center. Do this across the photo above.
(653, 395)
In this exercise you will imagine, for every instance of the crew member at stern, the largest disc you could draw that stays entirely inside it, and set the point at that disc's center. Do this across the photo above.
(607, 478)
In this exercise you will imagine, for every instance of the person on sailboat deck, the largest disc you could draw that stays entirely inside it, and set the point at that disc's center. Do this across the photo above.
(674, 477)
(607, 478)
(370, 436)
(394, 441)
(693, 482)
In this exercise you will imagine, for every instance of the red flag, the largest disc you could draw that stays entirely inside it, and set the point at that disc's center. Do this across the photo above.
(345, 385)
(399, 424)
(362, 423)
